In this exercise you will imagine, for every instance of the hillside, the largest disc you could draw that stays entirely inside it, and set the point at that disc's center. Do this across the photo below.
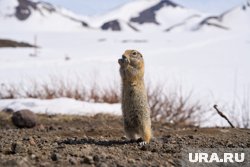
(138, 16)
(237, 18)
(13, 44)
(143, 16)
(27, 15)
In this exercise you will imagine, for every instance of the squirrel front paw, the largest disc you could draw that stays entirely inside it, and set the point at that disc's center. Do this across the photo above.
(124, 62)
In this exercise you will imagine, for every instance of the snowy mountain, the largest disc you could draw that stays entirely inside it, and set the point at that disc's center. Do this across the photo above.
(237, 18)
(167, 16)
(27, 15)
(138, 15)
(145, 15)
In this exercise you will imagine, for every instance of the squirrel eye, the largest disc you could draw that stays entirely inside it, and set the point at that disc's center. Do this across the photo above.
(134, 53)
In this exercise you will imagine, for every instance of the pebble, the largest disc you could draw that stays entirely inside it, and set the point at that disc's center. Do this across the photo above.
(131, 161)
(32, 141)
(96, 158)
(88, 160)
(72, 161)
(55, 156)
(18, 147)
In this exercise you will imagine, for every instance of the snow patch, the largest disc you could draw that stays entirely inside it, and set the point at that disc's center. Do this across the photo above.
(60, 106)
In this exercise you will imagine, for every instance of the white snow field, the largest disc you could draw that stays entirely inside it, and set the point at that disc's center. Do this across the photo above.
(60, 106)
(212, 62)
(215, 65)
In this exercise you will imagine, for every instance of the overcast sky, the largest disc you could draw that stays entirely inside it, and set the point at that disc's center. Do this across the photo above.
(92, 7)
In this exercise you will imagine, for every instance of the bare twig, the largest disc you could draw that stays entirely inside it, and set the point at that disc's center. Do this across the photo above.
(223, 116)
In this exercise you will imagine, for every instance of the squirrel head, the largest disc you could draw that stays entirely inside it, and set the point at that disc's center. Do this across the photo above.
(131, 66)
(132, 58)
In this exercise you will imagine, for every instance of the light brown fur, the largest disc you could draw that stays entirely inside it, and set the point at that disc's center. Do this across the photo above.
(135, 108)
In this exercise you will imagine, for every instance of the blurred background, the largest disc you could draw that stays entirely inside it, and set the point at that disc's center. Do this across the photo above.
(59, 56)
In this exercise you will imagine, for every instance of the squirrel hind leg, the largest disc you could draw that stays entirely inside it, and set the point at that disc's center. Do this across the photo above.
(146, 134)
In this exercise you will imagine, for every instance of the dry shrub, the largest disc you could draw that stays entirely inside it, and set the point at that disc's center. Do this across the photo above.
(57, 88)
(241, 110)
(166, 106)
(174, 107)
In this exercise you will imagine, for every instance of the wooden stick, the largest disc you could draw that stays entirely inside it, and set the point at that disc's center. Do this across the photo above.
(222, 115)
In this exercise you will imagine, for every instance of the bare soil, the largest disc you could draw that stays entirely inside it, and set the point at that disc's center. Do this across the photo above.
(99, 141)
(13, 44)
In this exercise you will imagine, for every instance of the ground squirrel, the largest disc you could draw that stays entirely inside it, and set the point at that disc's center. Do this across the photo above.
(135, 108)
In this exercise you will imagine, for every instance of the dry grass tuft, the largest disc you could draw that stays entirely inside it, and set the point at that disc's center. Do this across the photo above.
(57, 88)
(175, 107)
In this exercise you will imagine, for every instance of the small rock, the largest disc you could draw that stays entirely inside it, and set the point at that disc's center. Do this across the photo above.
(24, 119)
(18, 147)
(32, 141)
(33, 156)
(123, 138)
(96, 158)
(131, 161)
(55, 144)
(191, 136)
(230, 144)
(242, 145)
(88, 160)
(55, 156)
(72, 161)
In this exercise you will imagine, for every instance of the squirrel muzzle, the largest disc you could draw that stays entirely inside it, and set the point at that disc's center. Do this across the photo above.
(123, 60)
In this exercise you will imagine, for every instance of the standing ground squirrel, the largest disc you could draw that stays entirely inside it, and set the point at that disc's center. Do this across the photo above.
(135, 108)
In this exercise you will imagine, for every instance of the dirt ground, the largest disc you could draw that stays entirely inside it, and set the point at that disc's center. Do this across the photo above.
(99, 141)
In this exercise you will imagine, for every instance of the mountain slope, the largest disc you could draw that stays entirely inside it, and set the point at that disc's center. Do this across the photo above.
(145, 15)
(138, 15)
(27, 15)
(237, 18)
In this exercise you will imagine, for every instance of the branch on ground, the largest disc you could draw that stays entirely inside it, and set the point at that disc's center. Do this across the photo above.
(223, 116)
